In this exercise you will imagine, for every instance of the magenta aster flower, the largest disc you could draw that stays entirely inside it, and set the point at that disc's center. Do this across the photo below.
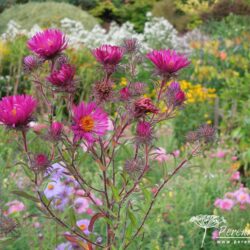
(47, 44)
(63, 78)
(167, 62)
(90, 121)
(109, 56)
(16, 111)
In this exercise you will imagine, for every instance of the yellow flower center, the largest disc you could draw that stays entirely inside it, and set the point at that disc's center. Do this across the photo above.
(50, 186)
(82, 227)
(243, 197)
(13, 111)
(58, 202)
(87, 123)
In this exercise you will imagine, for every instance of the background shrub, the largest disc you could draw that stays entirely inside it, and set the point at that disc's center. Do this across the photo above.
(44, 14)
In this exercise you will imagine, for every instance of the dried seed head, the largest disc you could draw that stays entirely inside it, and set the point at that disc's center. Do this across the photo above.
(192, 136)
(7, 225)
(103, 92)
(134, 167)
(138, 88)
(130, 45)
(207, 133)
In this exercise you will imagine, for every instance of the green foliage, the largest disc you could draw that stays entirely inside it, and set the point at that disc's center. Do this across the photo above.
(168, 10)
(228, 27)
(223, 8)
(44, 14)
(105, 10)
(134, 11)
(11, 66)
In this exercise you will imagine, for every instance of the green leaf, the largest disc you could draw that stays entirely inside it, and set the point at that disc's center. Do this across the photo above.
(147, 194)
(25, 195)
(129, 231)
(72, 217)
(132, 217)
(115, 193)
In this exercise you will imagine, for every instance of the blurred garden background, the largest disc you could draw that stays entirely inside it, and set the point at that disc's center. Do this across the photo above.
(215, 35)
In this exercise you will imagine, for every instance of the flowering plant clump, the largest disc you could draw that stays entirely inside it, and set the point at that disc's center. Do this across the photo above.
(113, 133)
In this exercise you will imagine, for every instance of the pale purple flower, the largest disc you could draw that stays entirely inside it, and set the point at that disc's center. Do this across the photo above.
(83, 225)
(60, 203)
(64, 246)
(81, 205)
(53, 189)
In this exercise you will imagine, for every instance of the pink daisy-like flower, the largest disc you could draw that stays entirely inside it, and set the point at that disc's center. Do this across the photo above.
(224, 204)
(47, 44)
(63, 78)
(242, 197)
(16, 111)
(235, 176)
(161, 155)
(89, 122)
(14, 207)
(167, 62)
(108, 54)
